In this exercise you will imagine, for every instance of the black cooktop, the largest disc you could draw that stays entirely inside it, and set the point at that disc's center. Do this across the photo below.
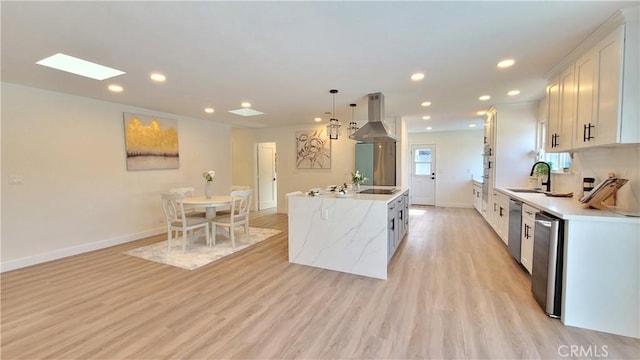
(379, 191)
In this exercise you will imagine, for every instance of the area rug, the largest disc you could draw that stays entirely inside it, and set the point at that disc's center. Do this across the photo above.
(198, 253)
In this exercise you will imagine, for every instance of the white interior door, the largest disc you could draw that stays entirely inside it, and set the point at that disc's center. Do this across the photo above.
(423, 174)
(267, 179)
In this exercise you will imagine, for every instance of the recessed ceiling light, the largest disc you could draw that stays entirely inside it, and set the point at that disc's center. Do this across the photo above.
(115, 88)
(426, 117)
(428, 128)
(157, 77)
(317, 119)
(484, 98)
(481, 112)
(472, 125)
(246, 104)
(426, 103)
(513, 92)
(246, 112)
(506, 63)
(417, 76)
(209, 110)
(80, 67)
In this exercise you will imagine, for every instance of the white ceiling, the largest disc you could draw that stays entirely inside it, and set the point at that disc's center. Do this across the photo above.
(284, 57)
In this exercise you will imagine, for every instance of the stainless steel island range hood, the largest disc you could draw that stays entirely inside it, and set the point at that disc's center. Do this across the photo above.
(375, 130)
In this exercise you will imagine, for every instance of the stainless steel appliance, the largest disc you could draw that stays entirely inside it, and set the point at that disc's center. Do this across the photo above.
(377, 161)
(375, 130)
(546, 274)
(515, 227)
(486, 166)
(379, 191)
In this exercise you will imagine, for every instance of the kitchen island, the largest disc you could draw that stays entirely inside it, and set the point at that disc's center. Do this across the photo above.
(356, 234)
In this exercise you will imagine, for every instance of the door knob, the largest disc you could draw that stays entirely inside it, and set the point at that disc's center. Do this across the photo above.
(274, 179)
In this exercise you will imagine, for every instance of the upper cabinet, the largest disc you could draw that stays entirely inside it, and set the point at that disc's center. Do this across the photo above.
(593, 100)
(561, 108)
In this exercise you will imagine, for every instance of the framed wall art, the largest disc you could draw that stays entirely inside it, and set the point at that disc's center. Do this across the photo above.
(313, 149)
(151, 142)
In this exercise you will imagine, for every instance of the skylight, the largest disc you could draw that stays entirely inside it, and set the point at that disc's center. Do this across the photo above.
(246, 112)
(79, 67)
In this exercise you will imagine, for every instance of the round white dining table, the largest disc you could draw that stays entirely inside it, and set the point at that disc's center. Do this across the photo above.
(210, 204)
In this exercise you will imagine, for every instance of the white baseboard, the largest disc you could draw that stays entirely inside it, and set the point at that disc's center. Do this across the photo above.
(75, 250)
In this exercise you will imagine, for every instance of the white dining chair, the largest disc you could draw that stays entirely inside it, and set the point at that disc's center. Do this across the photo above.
(176, 219)
(227, 209)
(188, 191)
(238, 216)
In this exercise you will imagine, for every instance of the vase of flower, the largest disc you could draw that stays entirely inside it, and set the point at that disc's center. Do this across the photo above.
(208, 189)
(208, 185)
(358, 179)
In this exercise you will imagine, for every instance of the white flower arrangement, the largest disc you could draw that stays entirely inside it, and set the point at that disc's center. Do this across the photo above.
(209, 175)
(358, 178)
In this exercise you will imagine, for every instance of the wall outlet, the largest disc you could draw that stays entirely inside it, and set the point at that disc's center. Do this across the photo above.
(325, 214)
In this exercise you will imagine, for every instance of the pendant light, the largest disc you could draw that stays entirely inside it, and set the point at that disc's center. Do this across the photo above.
(353, 126)
(334, 124)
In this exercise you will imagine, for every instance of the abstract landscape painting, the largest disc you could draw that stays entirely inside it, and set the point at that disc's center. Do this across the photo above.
(313, 149)
(151, 142)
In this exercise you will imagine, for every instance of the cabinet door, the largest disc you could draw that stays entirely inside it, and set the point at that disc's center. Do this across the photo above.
(609, 82)
(526, 250)
(564, 135)
(585, 102)
(553, 114)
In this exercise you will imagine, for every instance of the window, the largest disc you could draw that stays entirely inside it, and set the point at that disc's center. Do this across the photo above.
(422, 162)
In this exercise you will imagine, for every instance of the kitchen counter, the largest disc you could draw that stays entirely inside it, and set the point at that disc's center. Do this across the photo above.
(349, 234)
(567, 208)
(601, 262)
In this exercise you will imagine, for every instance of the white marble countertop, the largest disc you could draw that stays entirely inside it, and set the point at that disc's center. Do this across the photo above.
(358, 196)
(567, 208)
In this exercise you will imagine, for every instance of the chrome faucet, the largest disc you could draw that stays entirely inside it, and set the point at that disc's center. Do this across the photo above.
(548, 183)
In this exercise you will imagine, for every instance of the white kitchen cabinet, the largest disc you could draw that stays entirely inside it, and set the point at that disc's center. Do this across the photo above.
(500, 218)
(527, 235)
(477, 197)
(561, 108)
(595, 98)
(599, 84)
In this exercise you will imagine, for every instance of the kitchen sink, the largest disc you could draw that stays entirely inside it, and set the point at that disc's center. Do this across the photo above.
(525, 190)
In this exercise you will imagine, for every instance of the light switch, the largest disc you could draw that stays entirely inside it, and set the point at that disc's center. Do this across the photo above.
(325, 214)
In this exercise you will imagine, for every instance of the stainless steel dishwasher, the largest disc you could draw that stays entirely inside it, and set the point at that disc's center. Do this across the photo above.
(548, 253)
(515, 226)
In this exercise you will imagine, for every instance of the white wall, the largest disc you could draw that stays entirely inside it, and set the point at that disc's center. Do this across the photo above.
(624, 161)
(77, 194)
(458, 160)
(289, 177)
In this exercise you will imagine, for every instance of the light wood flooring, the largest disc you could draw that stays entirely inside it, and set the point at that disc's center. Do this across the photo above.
(453, 292)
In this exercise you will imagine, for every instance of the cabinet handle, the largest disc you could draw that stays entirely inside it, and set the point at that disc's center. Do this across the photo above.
(526, 231)
(584, 133)
(501, 209)
(393, 224)
(485, 140)
(401, 214)
(589, 137)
